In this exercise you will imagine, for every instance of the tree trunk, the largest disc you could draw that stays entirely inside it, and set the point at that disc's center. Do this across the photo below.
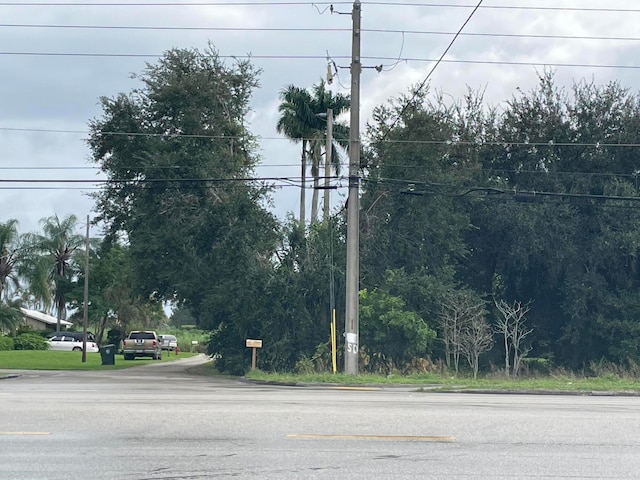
(303, 182)
(328, 157)
(315, 173)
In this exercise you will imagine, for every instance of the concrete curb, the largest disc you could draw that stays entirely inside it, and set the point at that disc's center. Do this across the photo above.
(438, 389)
(577, 393)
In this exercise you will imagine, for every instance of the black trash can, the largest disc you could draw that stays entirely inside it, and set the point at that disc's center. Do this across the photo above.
(108, 353)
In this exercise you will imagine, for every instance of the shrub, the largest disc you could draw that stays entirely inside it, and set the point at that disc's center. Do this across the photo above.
(30, 341)
(6, 343)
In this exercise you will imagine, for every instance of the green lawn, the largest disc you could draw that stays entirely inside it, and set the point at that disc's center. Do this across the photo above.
(54, 360)
(608, 383)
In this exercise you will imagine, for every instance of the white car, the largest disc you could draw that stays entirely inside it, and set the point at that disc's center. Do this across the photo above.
(168, 342)
(70, 344)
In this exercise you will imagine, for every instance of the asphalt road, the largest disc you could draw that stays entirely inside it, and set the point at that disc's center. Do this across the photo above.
(157, 422)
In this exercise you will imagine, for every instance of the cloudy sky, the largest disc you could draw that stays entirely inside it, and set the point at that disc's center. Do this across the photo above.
(58, 57)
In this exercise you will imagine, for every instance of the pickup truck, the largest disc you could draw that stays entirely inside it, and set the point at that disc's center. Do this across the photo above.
(142, 344)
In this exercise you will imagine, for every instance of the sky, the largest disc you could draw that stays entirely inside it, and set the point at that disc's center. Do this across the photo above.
(59, 57)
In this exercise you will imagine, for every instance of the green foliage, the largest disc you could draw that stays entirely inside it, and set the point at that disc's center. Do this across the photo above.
(182, 317)
(228, 347)
(30, 341)
(186, 336)
(54, 261)
(10, 261)
(114, 337)
(301, 121)
(536, 366)
(320, 361)
(6, 343)
(10, 318)
(388, 331)
(185, 228)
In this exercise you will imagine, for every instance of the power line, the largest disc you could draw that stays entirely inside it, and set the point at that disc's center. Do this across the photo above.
(323, 57)
(501, 142)
(308, 3)
(328, 30)
(337, 57)
(110, 181)
(426, 79)
(509, 7)
(163, 4)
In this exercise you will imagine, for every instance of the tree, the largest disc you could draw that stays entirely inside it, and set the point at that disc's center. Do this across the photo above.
(10, 316)
(295, 122)
(391, 335)
(574, 254)
(9, 256)
(457, 318)
(301, 121)
(475, 338)
(114, 302)
(413, 214)
(55, 253)
(323, 100)
(511, 325)
(179, 157)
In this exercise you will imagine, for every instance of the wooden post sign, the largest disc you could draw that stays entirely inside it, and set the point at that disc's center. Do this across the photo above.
(254, 344)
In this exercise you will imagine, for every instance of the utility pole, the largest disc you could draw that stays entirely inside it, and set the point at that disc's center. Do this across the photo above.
(86, 294)
(327, 164)
(353, 205)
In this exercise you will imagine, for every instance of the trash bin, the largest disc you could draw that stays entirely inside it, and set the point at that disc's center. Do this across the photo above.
(108, 353)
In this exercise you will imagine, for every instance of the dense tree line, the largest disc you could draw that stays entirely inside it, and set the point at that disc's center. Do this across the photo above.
(489, 235)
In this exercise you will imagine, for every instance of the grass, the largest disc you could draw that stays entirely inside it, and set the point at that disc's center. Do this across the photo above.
(55, 360)
(608, 382)
(434, 382)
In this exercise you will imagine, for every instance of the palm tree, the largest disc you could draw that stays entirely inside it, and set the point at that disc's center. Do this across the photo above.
(301, 121)
(322, 101)
(54, 254)
(9, 256)
(296, 123)
(10, 316)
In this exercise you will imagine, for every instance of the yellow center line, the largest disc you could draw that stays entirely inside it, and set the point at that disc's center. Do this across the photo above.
(25, 433)
(415, 438)
(366, 389)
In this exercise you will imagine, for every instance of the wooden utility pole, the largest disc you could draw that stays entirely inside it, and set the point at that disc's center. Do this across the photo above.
(353, 205)
(327, 164)
(86, 294)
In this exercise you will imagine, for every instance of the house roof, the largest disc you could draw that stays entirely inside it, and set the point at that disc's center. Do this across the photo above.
(43, 317)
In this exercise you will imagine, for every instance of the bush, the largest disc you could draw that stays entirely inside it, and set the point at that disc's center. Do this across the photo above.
(30, 341)
(6, 343)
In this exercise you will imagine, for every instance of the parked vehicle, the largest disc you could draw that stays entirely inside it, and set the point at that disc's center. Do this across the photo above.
(142, 344)
(169, 342)
(70, 343)
(79, 335)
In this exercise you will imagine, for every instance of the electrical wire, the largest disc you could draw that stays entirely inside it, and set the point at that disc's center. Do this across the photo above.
(323, 57)
(314, 3)
(502, 142)
(426, 79)
(327, 30)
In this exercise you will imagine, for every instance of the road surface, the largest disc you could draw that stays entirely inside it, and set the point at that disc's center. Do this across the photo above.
(158, 422)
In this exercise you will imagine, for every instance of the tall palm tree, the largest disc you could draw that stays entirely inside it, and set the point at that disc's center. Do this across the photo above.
(10, 316)
(55, 249)
(296, 123)
(9, 256)
(323, 100)
(301, 121)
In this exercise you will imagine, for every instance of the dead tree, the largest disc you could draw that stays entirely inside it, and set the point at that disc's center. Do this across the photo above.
(511, 325)
(476, 337)
(457, 312)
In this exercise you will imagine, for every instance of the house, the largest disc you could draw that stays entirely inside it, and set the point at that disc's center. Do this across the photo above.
(42, 321)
